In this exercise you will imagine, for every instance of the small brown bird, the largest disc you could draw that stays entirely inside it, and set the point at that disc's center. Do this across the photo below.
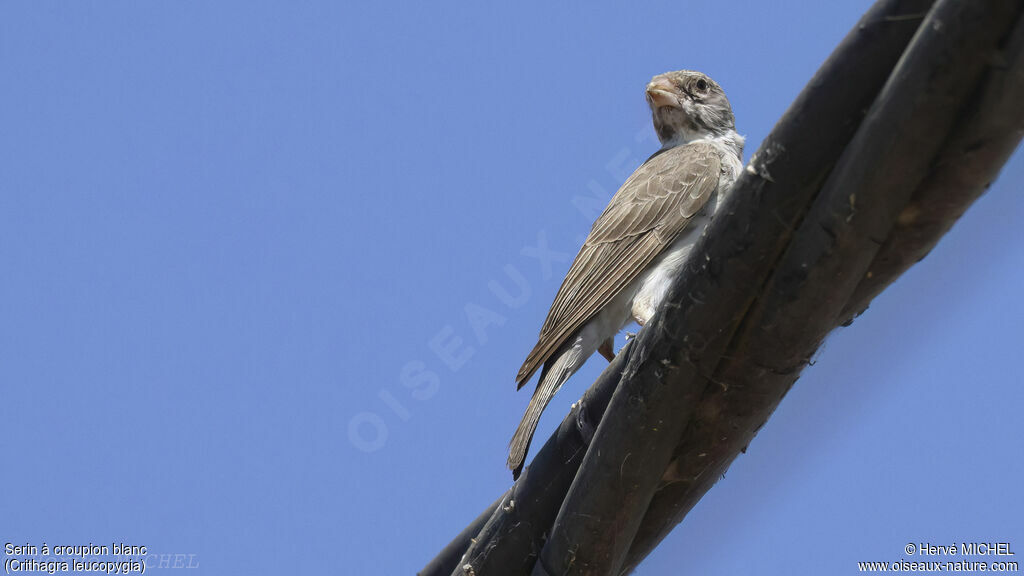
(641, 240)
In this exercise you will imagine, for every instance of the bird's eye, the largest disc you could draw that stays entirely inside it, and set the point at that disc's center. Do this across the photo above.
(702, 85)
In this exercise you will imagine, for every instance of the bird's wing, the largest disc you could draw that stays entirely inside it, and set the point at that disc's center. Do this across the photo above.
(642, 219)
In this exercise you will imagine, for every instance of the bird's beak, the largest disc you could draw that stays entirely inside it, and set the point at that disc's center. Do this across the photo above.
(661, 92)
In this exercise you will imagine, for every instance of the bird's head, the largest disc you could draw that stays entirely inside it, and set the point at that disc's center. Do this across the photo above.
(687, 105)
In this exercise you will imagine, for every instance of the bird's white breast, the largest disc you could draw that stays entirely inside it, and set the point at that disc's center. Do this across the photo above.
(652, 286)
(644, 295)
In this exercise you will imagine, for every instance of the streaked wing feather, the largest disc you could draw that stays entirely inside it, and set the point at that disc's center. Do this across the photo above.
(643, 218)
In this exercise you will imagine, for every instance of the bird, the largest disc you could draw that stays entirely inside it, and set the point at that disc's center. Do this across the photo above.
(640, 242)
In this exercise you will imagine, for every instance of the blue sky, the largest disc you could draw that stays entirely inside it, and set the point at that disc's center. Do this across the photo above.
(235, 236)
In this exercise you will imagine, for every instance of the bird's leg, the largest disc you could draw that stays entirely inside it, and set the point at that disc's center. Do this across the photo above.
(606, 349)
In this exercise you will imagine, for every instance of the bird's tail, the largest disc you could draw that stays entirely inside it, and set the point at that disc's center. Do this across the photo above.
(552, 377)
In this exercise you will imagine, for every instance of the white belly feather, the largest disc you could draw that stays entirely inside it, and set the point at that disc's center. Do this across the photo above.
(643, 296)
